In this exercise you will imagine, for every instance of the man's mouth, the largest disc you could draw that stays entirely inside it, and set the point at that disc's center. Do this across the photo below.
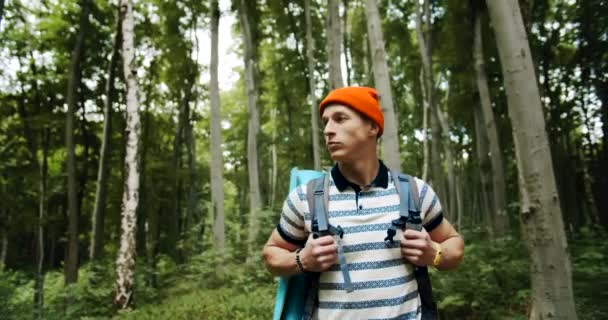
(333, 144)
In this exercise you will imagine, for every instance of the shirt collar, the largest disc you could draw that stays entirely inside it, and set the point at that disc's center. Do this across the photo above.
(342, 183)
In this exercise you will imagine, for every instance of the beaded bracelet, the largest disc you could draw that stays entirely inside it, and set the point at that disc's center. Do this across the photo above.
(298, 262)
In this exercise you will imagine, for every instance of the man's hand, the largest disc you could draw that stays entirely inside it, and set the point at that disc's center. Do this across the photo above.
(417, 247)
(319, 254)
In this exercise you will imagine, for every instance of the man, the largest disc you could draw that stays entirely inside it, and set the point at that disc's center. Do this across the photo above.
(363, 201)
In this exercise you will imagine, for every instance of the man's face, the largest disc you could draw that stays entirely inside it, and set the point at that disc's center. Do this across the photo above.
(346, 132)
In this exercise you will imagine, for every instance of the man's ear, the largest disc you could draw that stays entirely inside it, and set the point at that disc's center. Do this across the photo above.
(374, 129)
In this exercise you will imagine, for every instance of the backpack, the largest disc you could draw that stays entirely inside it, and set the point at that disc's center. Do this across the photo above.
(292, 291)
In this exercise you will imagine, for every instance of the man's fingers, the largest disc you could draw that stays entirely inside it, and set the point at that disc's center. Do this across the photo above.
(414, 243)
(325, 240)
(413, 234)
(412, 252)
(324, 250)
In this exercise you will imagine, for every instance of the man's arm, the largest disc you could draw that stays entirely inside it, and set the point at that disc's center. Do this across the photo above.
(420, 247)
(280, 256)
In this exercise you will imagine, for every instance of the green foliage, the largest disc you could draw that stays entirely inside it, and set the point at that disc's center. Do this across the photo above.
(492, 281)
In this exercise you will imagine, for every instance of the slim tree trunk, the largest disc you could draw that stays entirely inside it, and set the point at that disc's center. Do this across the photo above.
(551, 273)
(174, 216)
(449, 159)
(346, 42)
(383, 86)
(1, 10)
(39, 286)
(424, 45)
(314, 110)
(501, 221)
(125, 262)
(425, 128)
(96, 250)
(4, 249)
(217, 177)
(481, 143)
(593, 215)
(255, 201)
(334, 42)
(71, 263)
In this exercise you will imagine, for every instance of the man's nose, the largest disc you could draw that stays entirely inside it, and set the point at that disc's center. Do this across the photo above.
(328, 130)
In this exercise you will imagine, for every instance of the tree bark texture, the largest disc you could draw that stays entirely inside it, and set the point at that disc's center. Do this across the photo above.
(550, 268)
(125, 262)
(334, 43)
(97, 238)
(314, 109)
(217, 178)
(71, 263)
(501, 221)
(255, 201)
(383, 86)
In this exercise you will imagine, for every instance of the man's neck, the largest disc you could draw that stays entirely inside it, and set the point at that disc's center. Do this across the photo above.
(361, 172)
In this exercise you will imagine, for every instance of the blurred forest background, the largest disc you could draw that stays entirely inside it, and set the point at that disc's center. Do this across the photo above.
(139, 182)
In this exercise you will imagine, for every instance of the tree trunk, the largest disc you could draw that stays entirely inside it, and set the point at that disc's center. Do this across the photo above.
(334, 41)
(71, 263)
(382, 82)
(481, 143)
(4, 249)
(551, 273)
(39, 285)
(1, 10)
(424, 45)
(314, 109)
(255, 201)
(346, 42)
(175, 217)
(449, 159)
(96, 251)
(217, 177)
(125, 262)
(501, 220)
(593, 215)
(425, 129)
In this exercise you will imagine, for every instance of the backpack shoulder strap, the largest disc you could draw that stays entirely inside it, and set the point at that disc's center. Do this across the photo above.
(402, 185)
(318, 201)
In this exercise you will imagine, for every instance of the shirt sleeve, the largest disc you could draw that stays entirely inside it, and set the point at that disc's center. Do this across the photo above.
(291, 225)
(431, 211)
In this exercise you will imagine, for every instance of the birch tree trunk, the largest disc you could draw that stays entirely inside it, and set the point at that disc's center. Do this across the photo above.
(314, 109)
(334, 42)
(71, 263)
(217, 178)
(255, 201)
(125, 262)
(382, 81)
(96, 250)
(550, 268)
(501, 221)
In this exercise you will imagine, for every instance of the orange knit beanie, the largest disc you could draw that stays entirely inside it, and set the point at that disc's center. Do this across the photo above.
(362, 99)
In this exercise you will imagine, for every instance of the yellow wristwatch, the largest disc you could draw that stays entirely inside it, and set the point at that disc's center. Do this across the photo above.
(437, 259)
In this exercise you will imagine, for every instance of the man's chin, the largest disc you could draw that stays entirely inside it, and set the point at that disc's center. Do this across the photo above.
(337, 156)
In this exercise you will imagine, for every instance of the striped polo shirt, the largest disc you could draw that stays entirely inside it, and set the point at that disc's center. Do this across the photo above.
(384, 282)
